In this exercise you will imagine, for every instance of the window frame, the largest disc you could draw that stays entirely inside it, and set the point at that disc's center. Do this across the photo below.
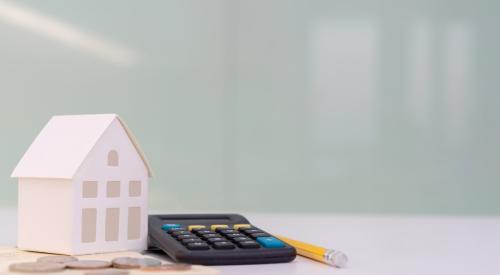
(113, 158)
(90, 189)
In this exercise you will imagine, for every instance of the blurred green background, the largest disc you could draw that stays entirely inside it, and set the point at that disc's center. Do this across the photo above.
(314, 106)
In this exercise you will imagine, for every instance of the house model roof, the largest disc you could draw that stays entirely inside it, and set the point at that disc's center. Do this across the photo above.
(64, 143)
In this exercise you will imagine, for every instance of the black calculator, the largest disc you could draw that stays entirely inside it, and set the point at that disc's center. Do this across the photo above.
(215, 239)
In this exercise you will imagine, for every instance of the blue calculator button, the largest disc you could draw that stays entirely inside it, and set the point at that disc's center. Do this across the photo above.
(169, 226)
(270, 242)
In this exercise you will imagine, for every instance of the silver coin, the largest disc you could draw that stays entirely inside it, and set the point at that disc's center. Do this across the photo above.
(167, 267)
(130, 262)
(143, 262)
(56, 259)
(125, 262)
(36, 267)
(107, 272)
(88, 264)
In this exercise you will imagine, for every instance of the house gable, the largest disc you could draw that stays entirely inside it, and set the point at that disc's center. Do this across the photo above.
(64, 143)
(113, 143)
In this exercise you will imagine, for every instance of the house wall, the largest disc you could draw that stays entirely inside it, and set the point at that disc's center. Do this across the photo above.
(45, 215)
(95, 168)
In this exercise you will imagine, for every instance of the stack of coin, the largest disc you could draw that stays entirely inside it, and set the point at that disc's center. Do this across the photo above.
(36, 267)
(88, 264)
(131, 263)
(115, 267)
(61, 259)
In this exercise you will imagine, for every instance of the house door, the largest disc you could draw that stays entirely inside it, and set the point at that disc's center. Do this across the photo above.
(89, 221)
(112, 224)
(134, 223)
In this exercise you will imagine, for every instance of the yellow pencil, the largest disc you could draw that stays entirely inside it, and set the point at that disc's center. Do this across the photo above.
(324, 255)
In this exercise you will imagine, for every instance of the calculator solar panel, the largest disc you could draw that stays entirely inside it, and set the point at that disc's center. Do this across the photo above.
(215, 239)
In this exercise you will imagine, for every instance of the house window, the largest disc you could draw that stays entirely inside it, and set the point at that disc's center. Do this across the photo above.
(134, 188)
(112, 224)
(89, 189)
(113, 158)
(113, 189)
(89, 219)
(134, 223)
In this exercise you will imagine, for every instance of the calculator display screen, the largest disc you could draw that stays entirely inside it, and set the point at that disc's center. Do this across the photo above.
(206, 219)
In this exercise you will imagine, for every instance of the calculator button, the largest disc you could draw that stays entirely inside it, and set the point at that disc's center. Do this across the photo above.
(180, 232)
(213, 240)
(197, 246)
(170, 231)
(248, 244)
(169, 226)
(241, 225)
(225, 231)
(185, 236)
(195, 227)
(241, 239)
(190, 240)
(251, 230)
(223, 245)
(215, 226)
(270, 242)
(202, 231)
(261, 234)
(234, 235)
(211, 235)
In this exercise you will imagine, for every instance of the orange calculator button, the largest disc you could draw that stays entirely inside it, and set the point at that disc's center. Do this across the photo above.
(191, 227)
(215, 226)
(241, 225)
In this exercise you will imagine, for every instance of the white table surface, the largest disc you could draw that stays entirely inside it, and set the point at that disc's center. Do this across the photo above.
(375, 245)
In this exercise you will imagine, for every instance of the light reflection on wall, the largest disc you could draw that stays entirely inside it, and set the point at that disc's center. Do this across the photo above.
(457, 53)
(343, 78)
(440, 78)
(421, 73)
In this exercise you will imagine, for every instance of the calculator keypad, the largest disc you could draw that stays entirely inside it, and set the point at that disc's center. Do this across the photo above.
(215, 239)
(222, 237)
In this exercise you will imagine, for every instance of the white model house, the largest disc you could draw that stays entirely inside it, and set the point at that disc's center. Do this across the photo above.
(83, 188)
